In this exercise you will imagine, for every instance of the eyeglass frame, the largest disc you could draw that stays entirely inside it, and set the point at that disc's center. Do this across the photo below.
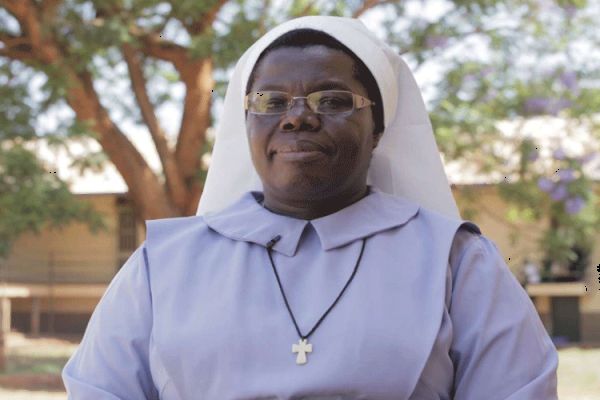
(356, 98)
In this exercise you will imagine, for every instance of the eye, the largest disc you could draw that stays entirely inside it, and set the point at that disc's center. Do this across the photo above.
(331, 101)
(275, 102)
(340, 101)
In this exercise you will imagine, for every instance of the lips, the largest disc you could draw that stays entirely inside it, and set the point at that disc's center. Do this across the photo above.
(301, 146)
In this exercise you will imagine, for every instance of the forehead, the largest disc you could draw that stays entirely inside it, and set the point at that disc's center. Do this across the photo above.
(307, 66)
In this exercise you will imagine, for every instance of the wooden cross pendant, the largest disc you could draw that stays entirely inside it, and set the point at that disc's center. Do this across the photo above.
(301, 348)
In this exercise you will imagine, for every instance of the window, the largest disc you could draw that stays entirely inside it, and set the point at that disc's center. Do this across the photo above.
(126, 230)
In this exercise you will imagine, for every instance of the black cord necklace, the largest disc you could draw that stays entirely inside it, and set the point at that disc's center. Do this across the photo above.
(303, 347)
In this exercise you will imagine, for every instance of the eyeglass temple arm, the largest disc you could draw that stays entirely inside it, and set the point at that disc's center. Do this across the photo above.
(361, 102)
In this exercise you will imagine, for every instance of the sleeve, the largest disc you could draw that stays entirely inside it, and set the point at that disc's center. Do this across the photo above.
(111, 363)
(500, 348)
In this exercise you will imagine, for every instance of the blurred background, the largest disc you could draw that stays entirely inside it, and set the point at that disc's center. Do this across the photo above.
(107, 110)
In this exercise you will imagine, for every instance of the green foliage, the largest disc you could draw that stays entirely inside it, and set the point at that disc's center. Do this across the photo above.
(16, 115)
(512, 61)
(561, 197)
(32, 197)
(494, 60)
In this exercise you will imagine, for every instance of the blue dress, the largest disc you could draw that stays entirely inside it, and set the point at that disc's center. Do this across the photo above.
(432, 313)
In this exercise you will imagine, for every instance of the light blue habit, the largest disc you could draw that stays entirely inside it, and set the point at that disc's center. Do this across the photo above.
(432, 313)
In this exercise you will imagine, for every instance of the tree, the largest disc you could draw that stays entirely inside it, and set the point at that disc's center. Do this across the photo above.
(31, 195)
(119, 64)
(72, 41)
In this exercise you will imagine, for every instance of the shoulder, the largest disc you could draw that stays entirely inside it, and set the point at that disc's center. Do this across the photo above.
(174, 223)
(434, 225)
(432, 217)
(161, 233)
(476, 258)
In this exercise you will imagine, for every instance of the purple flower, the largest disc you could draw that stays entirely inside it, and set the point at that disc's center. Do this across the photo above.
(566, 175)
(569, 80)
(557, 105)
(544, 105)
(574, 204)
(559, 193)
(545, 184)
(536, 105)
(559, 154)
(435, 41)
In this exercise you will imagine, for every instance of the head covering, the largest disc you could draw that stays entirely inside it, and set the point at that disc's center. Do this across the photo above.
(406, 161)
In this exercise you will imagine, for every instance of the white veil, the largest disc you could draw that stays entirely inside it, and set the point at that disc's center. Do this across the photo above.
(406, 161)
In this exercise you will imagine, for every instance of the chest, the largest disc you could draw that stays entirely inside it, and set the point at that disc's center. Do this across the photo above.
(222, 328)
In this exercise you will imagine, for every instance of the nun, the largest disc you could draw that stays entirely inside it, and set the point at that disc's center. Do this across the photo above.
(327, 260)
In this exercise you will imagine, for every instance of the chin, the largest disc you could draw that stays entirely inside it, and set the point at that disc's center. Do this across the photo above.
(309, 188)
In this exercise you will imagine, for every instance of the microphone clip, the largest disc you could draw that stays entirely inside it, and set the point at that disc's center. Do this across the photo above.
(272, 242)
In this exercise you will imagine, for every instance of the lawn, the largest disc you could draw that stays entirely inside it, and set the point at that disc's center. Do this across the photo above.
(34, 365)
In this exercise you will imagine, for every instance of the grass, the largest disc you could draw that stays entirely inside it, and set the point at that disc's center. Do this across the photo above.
(34, 366)
(43, 355)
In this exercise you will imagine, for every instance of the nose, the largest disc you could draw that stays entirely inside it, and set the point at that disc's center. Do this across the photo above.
(300, 118)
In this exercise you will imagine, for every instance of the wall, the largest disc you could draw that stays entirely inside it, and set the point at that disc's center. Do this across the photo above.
(72, 254)
(491, 217)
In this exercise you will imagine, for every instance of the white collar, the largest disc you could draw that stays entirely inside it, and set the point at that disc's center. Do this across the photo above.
(248, 221)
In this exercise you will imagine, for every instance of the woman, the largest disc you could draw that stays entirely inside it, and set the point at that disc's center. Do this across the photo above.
(298, 280)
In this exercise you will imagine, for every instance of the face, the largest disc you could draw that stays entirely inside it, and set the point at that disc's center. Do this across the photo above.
(301, 155)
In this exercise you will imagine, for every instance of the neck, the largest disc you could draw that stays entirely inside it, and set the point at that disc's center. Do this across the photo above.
(314, 208)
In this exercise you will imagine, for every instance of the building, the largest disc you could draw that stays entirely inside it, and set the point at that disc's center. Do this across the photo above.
(51, 282)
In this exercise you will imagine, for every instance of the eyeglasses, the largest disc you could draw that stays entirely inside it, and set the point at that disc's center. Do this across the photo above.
(322, 102)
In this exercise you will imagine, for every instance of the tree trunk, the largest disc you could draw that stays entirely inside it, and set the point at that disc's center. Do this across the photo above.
(146, 191)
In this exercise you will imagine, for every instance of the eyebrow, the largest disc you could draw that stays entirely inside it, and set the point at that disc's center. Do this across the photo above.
(325, 85)
(276, 88)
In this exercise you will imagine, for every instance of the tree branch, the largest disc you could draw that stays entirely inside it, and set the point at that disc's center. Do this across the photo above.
(17, 47)
(15, 55)
(154, 46)
(49, 8)
(28, 15)
(206, 20)
(42, 47)
(198, 79)
(144, 187)
(174, 181)
(367, 5)
(31, 24)
(17, 8)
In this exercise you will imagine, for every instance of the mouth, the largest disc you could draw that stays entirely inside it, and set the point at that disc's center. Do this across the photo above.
(301, 146)
(300, 151)
(301, 156)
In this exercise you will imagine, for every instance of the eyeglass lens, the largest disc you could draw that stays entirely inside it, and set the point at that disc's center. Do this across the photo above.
(322, 102)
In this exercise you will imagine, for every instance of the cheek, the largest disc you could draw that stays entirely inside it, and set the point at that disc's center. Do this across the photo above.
(354, 141)
(257, 135)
